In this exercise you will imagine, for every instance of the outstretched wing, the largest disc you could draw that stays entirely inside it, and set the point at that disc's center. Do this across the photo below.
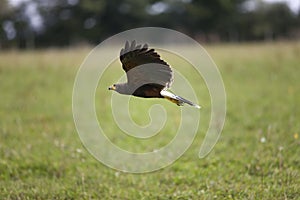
(144, 66)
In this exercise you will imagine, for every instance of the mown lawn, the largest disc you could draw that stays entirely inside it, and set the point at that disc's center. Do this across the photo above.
(257, 156)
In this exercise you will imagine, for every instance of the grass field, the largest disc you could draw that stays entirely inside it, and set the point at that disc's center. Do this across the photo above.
(256, 157)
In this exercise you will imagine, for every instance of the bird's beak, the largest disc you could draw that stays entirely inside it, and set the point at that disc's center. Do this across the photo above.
(112, 87)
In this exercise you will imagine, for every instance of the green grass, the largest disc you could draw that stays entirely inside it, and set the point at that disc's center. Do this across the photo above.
(41, 156)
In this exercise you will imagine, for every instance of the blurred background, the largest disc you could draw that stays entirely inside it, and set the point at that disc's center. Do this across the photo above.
(254, 43)
(59, 23)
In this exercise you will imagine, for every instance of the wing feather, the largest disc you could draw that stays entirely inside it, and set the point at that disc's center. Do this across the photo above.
(144, 65)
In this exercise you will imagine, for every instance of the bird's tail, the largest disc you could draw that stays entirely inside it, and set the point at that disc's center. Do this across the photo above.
(177, 99)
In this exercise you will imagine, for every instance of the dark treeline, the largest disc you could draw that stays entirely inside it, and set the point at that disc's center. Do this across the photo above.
(41, 23)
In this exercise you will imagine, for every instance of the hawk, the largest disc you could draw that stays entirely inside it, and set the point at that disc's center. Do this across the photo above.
(148, 76)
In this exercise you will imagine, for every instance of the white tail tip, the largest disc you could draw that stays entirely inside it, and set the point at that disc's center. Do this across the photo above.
(197, 106)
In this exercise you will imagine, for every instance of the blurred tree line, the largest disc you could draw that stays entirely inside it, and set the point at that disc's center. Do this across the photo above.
(44, 23)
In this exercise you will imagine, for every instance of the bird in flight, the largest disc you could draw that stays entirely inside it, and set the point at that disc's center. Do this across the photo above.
(148, 76)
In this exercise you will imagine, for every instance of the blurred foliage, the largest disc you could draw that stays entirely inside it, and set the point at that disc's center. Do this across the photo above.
(38, 23)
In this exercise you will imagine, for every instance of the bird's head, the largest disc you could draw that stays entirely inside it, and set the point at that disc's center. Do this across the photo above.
(113, 87)
(121, 88)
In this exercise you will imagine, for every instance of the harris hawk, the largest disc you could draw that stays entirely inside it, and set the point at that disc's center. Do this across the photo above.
(148, 76)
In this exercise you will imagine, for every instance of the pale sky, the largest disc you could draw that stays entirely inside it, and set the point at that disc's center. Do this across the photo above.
(293, 4)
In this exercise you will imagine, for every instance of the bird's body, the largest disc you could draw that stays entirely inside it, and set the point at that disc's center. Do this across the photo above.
(149, 91)
(148, 76)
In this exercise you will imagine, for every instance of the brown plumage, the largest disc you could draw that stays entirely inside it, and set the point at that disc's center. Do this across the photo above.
(148, 76)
